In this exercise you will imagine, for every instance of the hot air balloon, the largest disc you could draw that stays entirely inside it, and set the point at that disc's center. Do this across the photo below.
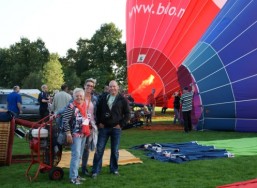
(224, 66)
(159, 36)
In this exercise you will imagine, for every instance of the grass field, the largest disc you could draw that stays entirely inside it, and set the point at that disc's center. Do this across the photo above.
(152, 173)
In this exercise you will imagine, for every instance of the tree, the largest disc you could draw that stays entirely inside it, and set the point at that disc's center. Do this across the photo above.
(21, 59)
(33, 80)
(68, 66)
(5, 70)
(52, 73)
(99, 56)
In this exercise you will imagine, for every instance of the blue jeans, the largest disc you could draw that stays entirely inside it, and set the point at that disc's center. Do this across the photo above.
(85, 156)
(103, 136)
(176, 115)
(77, 149)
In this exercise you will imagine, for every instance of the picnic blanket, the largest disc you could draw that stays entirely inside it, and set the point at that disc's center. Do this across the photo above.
(182, 152)
(125, 157)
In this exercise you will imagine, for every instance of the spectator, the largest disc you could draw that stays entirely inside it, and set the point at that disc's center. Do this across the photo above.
(186, 102)
(76, 114)
(151, 104)
(43, 99)
(176, 105)
(165, 104)
(14, 101)
(147, 115)
(91, 101)
(104, 93)
(61, 99)
(112, 114)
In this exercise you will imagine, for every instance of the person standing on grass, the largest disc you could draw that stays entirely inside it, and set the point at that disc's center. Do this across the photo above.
(14, 101)
(186, 102)
(76, 126)
(61, 99)
(112, 114)
(176, 105)
(151, 103)
(165, 104)
(44, 100)
(91, 102)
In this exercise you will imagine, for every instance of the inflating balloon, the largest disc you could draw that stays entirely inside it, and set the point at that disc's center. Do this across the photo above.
(223, 65)
(160, 35)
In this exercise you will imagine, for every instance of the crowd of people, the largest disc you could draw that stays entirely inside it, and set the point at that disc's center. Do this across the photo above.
(89, 120)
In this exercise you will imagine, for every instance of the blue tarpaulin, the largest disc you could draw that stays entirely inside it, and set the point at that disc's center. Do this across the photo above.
(182, 152)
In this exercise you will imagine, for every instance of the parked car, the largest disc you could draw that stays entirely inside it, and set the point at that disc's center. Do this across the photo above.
(30, 106)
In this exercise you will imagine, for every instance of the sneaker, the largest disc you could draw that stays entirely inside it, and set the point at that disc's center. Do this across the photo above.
(85, 172)
(81, 179)
(75, 181)
(94, 175)
(116, 173)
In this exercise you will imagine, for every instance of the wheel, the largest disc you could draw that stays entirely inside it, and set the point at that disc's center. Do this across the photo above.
(56, 173)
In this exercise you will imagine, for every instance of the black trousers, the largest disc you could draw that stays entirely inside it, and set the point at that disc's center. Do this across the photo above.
(164, 110)
(187, 121)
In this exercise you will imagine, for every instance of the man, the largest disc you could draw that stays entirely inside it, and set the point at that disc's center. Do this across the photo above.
(14, 101)
(186, 101)
(111, 115)
(105, 92)
(61, 99)
(43, 99)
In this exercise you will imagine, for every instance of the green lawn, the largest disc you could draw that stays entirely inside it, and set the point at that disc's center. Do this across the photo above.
(152, 173)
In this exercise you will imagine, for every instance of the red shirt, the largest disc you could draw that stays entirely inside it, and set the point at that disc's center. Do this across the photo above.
(165, 102)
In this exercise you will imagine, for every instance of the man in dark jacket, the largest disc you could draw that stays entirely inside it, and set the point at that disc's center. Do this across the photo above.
(112, 114)
(44, 100)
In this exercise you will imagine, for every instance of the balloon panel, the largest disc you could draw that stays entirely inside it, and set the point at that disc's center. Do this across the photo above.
(246, 65)
(247, 109)
(220, 111)
(246, 90)
(217, 81)
(204, 54)
(244, 125)
(218, 124)
(217, 96)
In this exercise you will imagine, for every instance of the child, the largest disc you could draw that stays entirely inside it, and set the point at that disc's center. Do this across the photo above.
(148, 114)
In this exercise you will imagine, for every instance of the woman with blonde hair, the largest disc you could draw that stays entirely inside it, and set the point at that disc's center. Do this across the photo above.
(91, 141)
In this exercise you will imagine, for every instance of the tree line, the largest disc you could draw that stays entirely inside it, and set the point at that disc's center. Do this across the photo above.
(29, 64)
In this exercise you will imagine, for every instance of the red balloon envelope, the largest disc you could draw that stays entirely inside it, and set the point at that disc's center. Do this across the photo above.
(160, 34)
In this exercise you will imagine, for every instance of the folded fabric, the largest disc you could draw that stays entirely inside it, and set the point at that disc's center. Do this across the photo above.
(182, 152)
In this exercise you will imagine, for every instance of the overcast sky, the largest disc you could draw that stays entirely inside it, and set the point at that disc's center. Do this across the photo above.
(59, 23)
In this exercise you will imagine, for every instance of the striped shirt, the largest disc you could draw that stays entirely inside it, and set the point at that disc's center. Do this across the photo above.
(186, 101)
(72, 122)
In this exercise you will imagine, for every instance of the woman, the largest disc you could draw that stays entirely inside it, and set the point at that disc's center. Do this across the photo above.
(74, 121)
(91, 141)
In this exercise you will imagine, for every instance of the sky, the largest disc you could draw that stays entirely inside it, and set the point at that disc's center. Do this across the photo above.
(59, 23)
